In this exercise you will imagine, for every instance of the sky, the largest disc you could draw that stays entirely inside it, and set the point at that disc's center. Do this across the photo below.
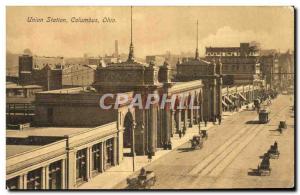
(155, 29)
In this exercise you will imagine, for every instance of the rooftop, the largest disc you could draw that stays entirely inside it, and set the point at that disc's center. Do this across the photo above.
(127, 64)
(74, 90)
(46, 131)
(193, 61)
(12, 150)
(16, 86)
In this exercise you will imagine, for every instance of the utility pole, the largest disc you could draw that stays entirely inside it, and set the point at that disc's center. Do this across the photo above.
(133, 146)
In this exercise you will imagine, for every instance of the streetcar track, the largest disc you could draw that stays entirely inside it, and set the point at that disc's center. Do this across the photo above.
(205, 167)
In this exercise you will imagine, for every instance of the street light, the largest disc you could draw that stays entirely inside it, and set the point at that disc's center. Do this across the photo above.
(199, 125)
(133, 146)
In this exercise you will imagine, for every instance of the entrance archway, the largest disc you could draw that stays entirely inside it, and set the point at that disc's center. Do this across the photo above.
(128, 125)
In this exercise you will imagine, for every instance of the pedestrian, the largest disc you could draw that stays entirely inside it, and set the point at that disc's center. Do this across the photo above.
(170, 145)
(180, 134)
(205, 122)
(149, 156)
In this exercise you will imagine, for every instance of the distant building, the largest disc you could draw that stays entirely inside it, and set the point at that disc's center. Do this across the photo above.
(270, 67)
(93, 60)
(78, 75)
(159, 60)
(286, 69)
(39, 62)
(44, 71)
(277, 68)
(19, 102)
(240, 64)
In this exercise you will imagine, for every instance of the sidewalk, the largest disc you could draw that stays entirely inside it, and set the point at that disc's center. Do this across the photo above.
(117, 174)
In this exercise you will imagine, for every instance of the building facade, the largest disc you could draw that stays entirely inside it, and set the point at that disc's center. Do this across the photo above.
(240, 64)
(61, 158)
(44, 71)
(78, 75)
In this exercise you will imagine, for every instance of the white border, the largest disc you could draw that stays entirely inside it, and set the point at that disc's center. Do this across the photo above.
(5, 3)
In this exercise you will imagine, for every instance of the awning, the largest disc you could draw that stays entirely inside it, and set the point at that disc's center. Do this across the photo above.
(228, 100)
(224, 103)
(242, 97)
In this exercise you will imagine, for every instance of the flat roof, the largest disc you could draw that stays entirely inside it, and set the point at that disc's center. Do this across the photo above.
(12, 150)
(16, 86)
(73, 90)
(46, 131)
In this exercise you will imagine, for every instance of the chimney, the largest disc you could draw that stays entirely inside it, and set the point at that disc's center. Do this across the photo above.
(116, 48)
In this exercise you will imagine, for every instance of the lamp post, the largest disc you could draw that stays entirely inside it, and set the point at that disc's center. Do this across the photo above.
(133, 146)
(199, 124)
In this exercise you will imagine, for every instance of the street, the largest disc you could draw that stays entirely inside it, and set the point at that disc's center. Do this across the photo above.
(231, 152)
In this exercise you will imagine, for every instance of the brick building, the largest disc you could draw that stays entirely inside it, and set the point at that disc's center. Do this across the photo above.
(240, 64)
(78, 75)
(44, 71)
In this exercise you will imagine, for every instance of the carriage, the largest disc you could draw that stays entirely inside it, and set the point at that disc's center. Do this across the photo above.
(145, 180)
(256, 103)
(264, 168)
(197, 142)
(282, 124)
(273, 152)
(204, 134)
(264, 116)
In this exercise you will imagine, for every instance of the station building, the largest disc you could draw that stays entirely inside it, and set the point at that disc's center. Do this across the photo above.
(73, 138)
(60, 157)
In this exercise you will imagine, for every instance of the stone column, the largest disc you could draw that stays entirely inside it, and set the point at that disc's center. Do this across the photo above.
(102, 157)
(71, 164)
(120, 146)
(88, 162)
(197, 115)
(153, 128)
(172, 122)
(63, 174)
(115, 150)
(167, 125)
(24, 178)
(45, 177)
(219, 101)
(20, 182)
(191, 110)
(214, 98)
(178, 119)
(185, 119)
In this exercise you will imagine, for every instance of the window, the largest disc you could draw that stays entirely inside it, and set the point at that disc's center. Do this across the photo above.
(13, 183)
(81, 165)
(34, 179)
(96, 155)
(55, 175)
(109, 154)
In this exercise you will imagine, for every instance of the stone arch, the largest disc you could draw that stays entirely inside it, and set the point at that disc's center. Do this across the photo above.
(128, 128)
